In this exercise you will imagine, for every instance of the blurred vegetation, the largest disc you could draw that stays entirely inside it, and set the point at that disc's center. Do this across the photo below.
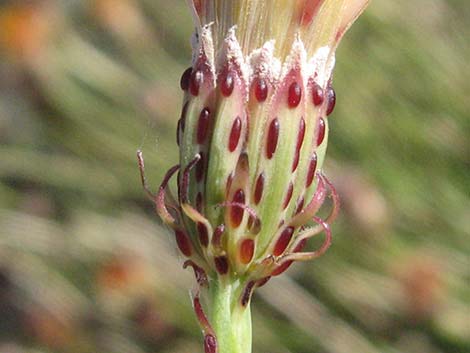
(86, 267)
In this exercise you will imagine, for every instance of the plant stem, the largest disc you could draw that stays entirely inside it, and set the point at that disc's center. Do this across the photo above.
(230, 320)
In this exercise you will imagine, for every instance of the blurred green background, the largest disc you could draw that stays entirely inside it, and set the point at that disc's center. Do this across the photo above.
(85, 265)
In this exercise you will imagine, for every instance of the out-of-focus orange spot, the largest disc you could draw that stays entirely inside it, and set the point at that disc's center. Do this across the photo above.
(124, 275)
(24, 29)
(150, 323)
(122, 17)
(48, 330)
(362, 200)
(118, 274)
(422, 283)
(123, 281)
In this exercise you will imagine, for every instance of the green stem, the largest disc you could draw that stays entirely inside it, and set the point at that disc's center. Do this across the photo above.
(230, 320)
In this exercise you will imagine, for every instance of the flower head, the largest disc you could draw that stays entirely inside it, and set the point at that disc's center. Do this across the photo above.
(253, 134)
(252, 137)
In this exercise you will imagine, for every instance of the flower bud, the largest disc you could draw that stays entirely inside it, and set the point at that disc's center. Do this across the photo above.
(253, 134)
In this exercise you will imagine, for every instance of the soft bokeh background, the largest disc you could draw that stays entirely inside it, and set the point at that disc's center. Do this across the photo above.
(85, 265)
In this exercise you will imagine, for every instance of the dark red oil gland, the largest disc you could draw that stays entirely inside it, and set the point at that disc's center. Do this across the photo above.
(294, 95)
(236, 212)
(321, 131)
(221, 264)
(246, 296)
(183, 116)
(250, 221)
(203, 125)
(183, 242)
(299, 247)
(227, 83)
(331, 100)
(259, 188)
(200, 167)
(229, 183)
(301, 135)
(295, 163)
(210, 344)
(235, 133)
(246, 251)
(283, 241)
(290, 190)
(199, 202)
(181, 123)
(178, 132)
(311, 170)
(195, 82)
(317, 94)
(179, 186)
(300, 205)
(185, 78)
(300, 141)
(242, 164)
(263, 281)
(255, 226)
(203, 234)
(282, 268)
(217, 236)
(261, 89)
(273, 136)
